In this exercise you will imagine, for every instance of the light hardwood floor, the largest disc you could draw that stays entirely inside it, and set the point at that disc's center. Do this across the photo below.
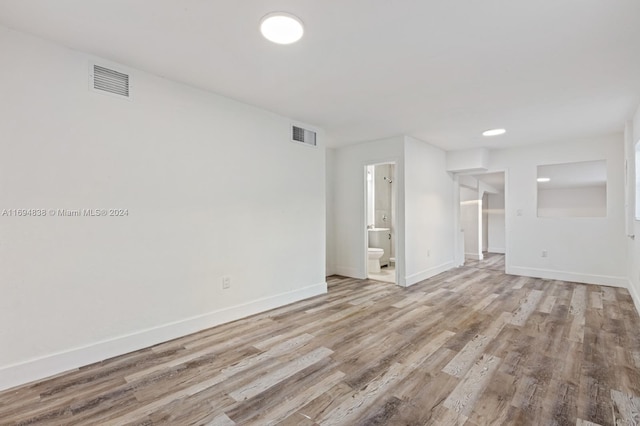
(492, 261)
(471, 346)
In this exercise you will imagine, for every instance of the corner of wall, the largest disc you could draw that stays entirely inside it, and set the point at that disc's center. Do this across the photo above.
(635, 295)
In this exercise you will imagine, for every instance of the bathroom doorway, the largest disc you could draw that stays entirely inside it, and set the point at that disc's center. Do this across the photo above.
(381, 211)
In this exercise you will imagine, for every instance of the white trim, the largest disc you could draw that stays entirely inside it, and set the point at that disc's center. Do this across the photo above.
(634, 295)
(577, 277)
(496, 250)
(52, 364)
(474, 256)
(428, 273)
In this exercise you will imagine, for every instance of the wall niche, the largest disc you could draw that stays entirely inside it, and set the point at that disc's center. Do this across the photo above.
(573, 189)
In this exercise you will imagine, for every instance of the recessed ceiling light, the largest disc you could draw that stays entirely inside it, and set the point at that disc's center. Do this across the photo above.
(543, 179)
(494, 132)
(281, 28)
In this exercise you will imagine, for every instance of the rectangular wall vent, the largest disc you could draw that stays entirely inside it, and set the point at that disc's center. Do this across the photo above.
(305, 136)
(110, 81)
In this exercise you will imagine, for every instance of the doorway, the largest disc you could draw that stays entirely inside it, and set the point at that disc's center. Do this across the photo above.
(381, 213)
(482, 220)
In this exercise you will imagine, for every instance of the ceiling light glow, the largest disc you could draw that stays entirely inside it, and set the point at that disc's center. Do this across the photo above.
(494, 132)
(281, 28)
(543, 179)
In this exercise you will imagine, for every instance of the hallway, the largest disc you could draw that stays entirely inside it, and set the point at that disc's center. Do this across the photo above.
(492, 261)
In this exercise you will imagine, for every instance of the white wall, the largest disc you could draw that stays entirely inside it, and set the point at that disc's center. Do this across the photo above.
(213, 187)
(586, 201)
(485, 222)
(382, 195)
(371, 196)
(633, 245)
(496, 224)
(470, 218)
(330, 208)
(394, 206)
(591, 250)
(429, 217)
(467, 160)
(350, 198)
(425, 211)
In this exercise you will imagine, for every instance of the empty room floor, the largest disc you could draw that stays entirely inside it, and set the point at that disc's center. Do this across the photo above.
(494, 261)
(470, 346)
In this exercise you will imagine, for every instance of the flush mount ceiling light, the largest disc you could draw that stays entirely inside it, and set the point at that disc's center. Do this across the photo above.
(494, 132)
(543, 179)
(281, 28)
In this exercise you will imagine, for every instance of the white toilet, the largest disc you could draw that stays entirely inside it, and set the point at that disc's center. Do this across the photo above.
(374, 255)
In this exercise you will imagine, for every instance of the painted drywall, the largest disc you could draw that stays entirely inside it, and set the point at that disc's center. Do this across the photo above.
(496, 224)
(383, 175)
(212, 187)
(485, 222)
(467, 160)
(590, 250)
(633, 225)
(371, 196)
(468, 180)
(394, 206)
(381, 193)
(424, 216)
(330, 222)
(470, 221)
(586, 201)
(429, 218)
(350, 200)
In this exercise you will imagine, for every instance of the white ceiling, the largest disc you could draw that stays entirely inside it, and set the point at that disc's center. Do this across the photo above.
(439, 70)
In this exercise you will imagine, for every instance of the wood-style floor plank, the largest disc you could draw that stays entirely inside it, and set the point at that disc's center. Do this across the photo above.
(471, 346)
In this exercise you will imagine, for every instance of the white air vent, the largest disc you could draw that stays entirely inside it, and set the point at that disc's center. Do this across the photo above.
(307, 137)
(108, 80)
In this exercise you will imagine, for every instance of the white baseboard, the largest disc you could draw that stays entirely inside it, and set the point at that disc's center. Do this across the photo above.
(428, 273)
(49, 365)
(634, 295)
(474, 256)
(496, 250)
(347, 271)
(609, 280)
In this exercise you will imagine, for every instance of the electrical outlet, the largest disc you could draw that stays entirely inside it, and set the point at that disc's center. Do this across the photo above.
(544, 253)
(226, 281)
